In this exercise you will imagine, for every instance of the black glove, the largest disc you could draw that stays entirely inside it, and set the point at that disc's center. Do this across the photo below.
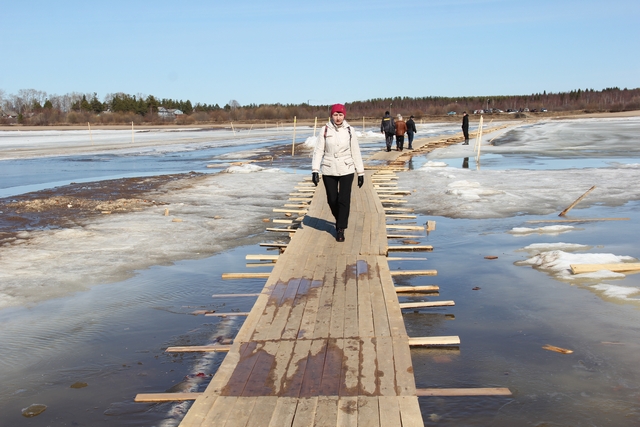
(360, 180)
(315, 178)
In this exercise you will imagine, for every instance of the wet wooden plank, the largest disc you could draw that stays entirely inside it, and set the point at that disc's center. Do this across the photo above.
(258, 383)
(481, 391)
(347, 411)
(296, 369)
(350, 375)
(198, 412)
(307, 323)
(405, 380)
(314, 368)
(336, 329)
(365, 311)
(379, 307)
(351, 298)
(386, 369)
(368, 380)
(241, 371)
(395, 319)
(323, 316)
(332, 369)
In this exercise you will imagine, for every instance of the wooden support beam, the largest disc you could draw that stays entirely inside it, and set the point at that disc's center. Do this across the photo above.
(491, 391)
(405, 227)
(417, 289)
(577, 220)
(425, 304)
(402, 236)
(282, 230)
(262, 257)
(429, 341)
(400, 258)
(298, 211)
(274, 245)
(431, 225)
(410, 248)
(199, 348)
(398, 209)
(282, 221)
(245, 275)
(414, 273)
(617, 267)
(233, 295)
(166, 397)
(401, 216)
(392, 201)
(232, 314)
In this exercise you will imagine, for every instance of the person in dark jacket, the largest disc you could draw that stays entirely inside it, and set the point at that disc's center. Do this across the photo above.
(401, 129)
(388, 128)
(465, 127)
(411, 129)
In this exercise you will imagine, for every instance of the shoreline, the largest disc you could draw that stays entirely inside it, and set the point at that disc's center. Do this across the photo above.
(270, 124)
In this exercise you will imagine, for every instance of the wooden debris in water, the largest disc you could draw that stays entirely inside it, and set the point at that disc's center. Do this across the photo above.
(557, 349)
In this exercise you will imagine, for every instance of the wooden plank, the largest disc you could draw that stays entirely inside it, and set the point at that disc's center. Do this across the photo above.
(386, 374)
(410, 411)
(326, 412)
(368, 381)
(423, 304)
(226, 276)
(282, 230)
(307, 323)
(616, 267)
(379, 307)
(336, 329)
(489, 391)
(399, 258)
(314, 368)
(417, 289)
(395, 319)
(284, 412)
(331, 371)
(389, 411)
(433, 341)
(198, 411)
(404, 227)
(199, 348)
(563, 213)
(262, 257)
(323, 316)
(368, 411)
(278, 376)
(234, 295)
(241, 411)
(296, 369)
(165, 397)
(232, 314)
(351, 298)
(405, 381)
(259, 381)
(414, 273)
(577, 220)
(349, 377)
(365, 311)
(410, 248)
(347, 411)
(305, 412)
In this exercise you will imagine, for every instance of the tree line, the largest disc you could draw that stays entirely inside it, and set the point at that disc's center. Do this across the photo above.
(34, 107)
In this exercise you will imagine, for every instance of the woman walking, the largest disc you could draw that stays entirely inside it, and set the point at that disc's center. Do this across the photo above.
(337, 156)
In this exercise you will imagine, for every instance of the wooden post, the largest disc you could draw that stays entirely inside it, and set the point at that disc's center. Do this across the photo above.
(577, 201)
(250, 128)
(132, 132)
(233, 129)
(90, 135)
(315, 125)
(479, 140)
(363, 124)
(293, 143)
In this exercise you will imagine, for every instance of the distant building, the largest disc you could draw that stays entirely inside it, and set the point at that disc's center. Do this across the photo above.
(169, 113)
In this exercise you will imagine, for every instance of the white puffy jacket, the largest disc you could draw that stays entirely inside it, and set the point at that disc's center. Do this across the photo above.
(337, 151)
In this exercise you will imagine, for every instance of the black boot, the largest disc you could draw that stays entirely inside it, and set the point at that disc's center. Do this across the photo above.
(339, 234)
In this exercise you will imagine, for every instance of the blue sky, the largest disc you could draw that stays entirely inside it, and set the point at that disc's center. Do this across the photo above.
(318, 52)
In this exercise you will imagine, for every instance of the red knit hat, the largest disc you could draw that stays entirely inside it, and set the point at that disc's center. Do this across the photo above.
(338, 108)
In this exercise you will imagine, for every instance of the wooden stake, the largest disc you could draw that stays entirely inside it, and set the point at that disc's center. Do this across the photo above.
(315, 125)
(132, 132)
(90, 135)
(293, 143)
(577, 201)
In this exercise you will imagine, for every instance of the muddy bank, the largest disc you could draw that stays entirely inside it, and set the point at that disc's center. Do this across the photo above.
(72, 204)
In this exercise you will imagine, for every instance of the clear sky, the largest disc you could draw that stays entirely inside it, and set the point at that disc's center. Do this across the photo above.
(294, 51)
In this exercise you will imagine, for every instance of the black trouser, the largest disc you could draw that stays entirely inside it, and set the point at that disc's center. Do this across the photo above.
(389, 140)
(339, 197)
(466, 133)
(399, 141)
(410, 138)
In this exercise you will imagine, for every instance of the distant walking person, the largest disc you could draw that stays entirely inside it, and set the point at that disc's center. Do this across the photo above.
(337, 156)
(411, 129)
(465, 127)
(401, 129)
(388, 127)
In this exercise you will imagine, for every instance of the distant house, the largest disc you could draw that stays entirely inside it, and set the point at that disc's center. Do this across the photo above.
(169, 113)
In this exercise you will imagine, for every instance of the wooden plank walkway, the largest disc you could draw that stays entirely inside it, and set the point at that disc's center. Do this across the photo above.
(325, 343)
